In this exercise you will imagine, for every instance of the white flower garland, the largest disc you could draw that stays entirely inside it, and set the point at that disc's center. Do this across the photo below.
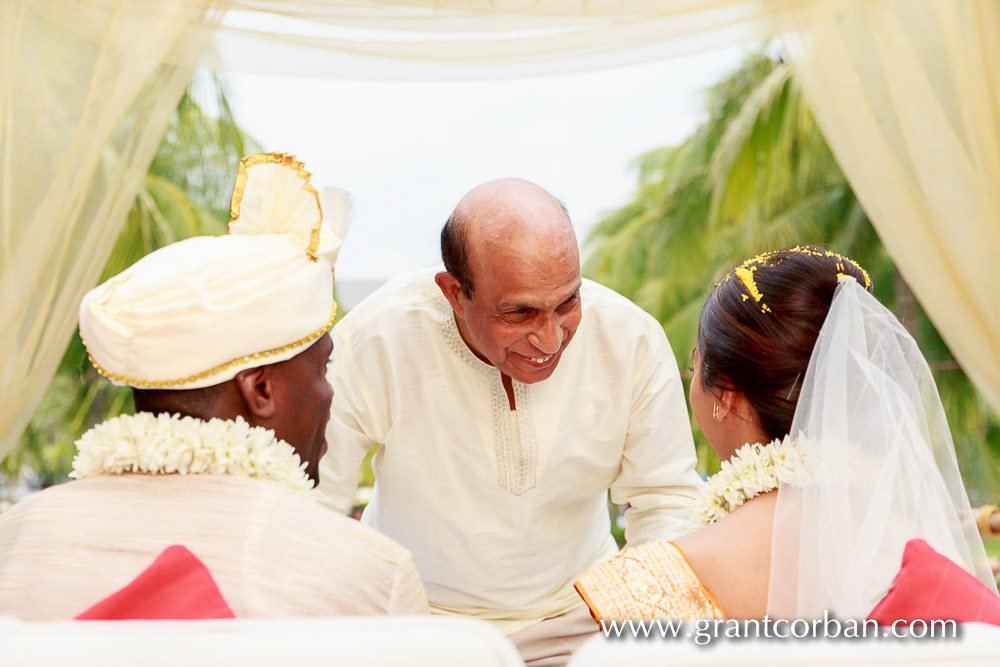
(164, 444)
(754, 469)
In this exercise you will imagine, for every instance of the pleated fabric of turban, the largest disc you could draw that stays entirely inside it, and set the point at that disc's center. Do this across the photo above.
(195, 313)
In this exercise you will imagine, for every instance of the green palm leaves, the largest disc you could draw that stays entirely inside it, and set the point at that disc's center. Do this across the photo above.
(757, 175)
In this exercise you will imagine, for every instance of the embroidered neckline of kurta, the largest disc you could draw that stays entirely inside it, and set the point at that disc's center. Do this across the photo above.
(515, 474)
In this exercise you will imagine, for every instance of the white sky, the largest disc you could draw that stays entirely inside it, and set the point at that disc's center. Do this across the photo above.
(408, 151)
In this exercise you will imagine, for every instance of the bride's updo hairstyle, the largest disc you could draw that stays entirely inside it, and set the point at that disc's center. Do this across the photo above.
(760, 323)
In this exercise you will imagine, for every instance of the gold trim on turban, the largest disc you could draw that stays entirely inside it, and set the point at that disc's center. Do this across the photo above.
(283, 159)
(170, 384)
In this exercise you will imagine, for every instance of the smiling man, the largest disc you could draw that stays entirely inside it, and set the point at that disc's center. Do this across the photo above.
(525, 308)
(509, 395)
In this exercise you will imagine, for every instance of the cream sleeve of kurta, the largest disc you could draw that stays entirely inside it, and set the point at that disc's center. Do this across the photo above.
(272, 551)
(504, 510)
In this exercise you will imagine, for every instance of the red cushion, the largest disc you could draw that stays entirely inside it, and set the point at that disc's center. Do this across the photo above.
(176, 586)
(930, 587)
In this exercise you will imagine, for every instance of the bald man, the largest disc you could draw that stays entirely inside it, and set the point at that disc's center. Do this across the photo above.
(510, 395)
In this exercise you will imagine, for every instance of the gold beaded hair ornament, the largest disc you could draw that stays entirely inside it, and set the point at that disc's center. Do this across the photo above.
(195, 313)
(745, 271)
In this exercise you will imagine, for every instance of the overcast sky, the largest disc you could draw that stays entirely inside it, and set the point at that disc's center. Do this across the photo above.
(408, 151)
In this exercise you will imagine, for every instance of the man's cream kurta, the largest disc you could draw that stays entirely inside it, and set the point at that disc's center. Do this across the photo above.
(272, 551)
(503, 509)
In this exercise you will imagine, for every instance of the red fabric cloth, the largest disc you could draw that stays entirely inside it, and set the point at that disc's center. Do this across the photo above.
(177, 586)
(931, 587)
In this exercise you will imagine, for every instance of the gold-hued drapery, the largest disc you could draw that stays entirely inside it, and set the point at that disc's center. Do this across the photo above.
(907, 93)
(87, 91)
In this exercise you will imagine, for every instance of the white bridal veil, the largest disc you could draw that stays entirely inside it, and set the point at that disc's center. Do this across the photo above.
(880, 469)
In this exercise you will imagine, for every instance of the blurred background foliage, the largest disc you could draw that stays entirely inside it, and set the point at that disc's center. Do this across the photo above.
(755, 175)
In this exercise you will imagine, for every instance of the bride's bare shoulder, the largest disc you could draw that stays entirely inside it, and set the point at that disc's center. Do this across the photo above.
(732, 557)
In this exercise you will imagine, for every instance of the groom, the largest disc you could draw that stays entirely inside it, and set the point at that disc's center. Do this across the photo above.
(224, 342)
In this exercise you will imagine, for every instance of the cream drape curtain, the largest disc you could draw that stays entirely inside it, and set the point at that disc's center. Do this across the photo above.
(907, 93)
(85, 98)
(463, 39)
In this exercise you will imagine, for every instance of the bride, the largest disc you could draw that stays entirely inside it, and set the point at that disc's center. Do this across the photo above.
(836, 455)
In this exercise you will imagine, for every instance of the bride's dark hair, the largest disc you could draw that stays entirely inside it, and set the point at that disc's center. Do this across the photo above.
(759, 325)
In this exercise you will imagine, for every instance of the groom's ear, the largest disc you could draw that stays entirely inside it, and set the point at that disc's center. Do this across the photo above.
(256, 386)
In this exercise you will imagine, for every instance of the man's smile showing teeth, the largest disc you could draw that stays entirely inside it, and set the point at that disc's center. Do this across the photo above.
(539, 361)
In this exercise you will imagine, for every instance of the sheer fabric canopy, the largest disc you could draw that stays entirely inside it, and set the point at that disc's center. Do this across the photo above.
(906, 91)
(87, 90)
(460, 39)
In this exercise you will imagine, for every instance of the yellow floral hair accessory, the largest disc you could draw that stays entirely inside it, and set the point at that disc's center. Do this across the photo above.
(745, 271)
(819, 252)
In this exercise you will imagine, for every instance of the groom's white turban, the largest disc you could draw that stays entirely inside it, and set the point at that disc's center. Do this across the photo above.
(196, 312)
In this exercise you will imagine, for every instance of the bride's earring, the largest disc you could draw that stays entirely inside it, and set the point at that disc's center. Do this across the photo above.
(715, 411)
